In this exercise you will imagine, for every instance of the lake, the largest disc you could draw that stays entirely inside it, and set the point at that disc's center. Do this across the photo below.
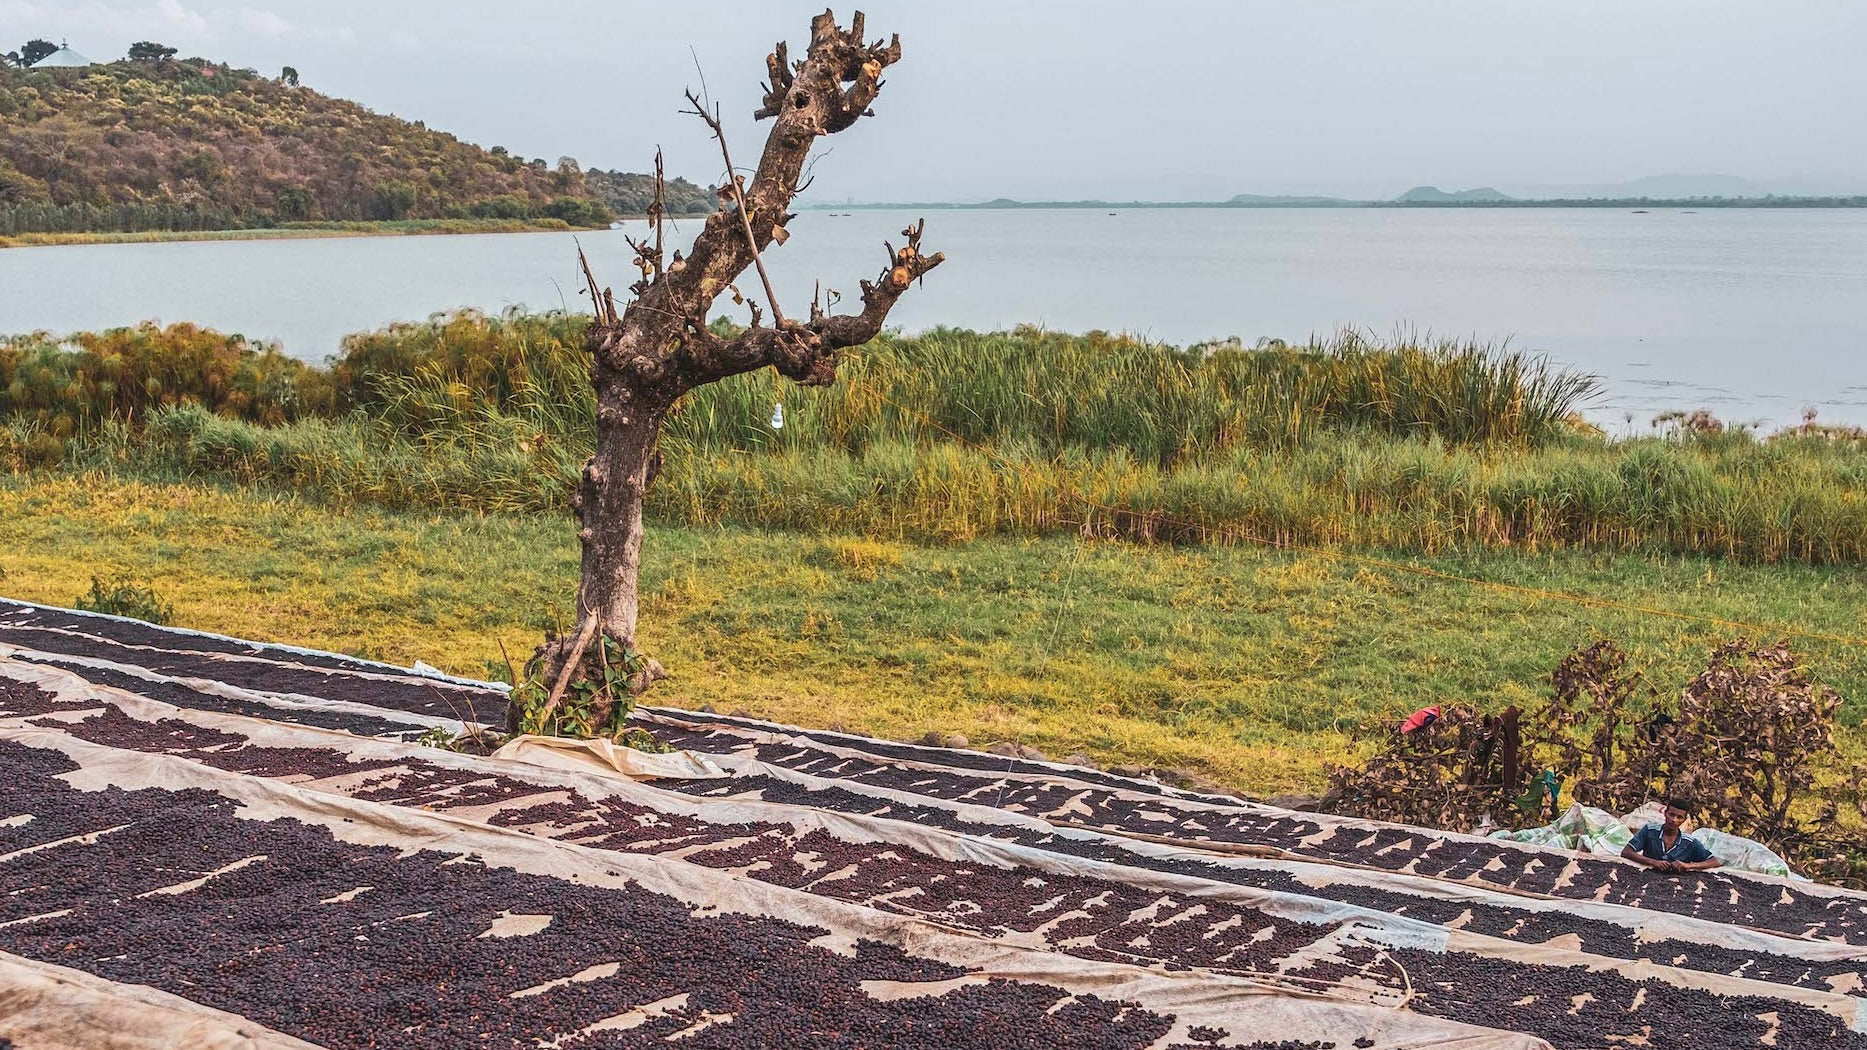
(1753, 314)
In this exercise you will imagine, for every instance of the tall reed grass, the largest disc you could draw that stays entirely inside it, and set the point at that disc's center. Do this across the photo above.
(952, 435)
(1027, 388)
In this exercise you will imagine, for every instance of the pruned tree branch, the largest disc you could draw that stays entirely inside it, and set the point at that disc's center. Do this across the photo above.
(809, 353)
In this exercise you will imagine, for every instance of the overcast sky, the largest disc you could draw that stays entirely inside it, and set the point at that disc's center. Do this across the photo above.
(1195, 99)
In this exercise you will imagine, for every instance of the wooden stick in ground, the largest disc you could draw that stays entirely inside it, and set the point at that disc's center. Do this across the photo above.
(590, 627)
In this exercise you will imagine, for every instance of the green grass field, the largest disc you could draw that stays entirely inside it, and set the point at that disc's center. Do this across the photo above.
(1245, 663)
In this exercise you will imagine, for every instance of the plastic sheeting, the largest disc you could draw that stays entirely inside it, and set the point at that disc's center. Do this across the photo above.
(1589, 830)
(45, 1007)
(1583, 829)
(606, 757)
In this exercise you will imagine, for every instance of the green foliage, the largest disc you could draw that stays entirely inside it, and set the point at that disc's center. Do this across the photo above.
(505, 206)
(394, 199)
(288, 76)
(34, 50)
(596, 704)
(160, 144)
(630, 194)
(951, 435)
(123, 596)
(150, 51)
(579, 211)
(1244, 662)
(295, 203)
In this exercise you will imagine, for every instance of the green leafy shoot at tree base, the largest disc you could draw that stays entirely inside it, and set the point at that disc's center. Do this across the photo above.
(591, 706)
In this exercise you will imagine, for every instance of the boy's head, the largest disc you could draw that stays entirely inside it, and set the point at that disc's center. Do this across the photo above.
(1678, 811)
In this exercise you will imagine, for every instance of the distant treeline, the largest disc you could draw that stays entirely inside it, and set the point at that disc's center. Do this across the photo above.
(159, 143)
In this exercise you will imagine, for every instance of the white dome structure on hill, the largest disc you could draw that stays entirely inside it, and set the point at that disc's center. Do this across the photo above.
(63, 58)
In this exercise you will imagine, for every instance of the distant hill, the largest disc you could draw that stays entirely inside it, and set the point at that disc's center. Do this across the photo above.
(626, 193)
(1435, 195)
(1253, 200)
(193, 144)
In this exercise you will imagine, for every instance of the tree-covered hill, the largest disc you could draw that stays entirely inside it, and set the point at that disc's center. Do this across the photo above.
(162, 144)
(630, 194)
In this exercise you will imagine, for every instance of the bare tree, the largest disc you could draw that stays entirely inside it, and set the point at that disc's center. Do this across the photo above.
(645, 356)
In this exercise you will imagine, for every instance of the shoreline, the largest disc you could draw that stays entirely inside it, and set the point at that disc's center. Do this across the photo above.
(409, 228)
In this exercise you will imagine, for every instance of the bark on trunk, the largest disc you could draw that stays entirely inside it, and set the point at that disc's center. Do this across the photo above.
(658, 348)
(609, 506)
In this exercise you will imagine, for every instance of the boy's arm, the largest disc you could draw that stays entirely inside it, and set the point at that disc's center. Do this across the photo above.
(1628, 852)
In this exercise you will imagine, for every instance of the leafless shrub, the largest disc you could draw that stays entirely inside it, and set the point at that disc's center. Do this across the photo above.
(1751, 742)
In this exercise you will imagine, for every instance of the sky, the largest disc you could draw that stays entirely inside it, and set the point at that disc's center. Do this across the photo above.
(1047, 99)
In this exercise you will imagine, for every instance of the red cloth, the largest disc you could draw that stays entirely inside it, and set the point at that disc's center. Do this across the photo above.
(1420, 719)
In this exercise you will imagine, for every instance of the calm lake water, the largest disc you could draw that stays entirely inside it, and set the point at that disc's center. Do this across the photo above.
(1751, 313)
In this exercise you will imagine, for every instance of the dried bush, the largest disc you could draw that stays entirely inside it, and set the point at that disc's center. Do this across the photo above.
(1449, 775)
(1753, 731)
(1750, 742)
(1608, 754)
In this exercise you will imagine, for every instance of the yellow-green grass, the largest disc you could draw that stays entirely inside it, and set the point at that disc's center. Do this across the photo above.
(292, 231)
(1245, 663)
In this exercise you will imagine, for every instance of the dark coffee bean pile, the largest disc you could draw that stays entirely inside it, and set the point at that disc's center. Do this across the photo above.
(403, 964)
(972, 778)
(1597, 937)
(1572, 1007)
(181, 695)
(268, 673)
(399, 782)
(1177, 933)
(976, 787)
(696, 725)
(1718, 897)
(20, 699)
(132, 632)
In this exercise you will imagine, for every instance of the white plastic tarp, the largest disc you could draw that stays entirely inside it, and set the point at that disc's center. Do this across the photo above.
(46, 1007)
(1588, 830)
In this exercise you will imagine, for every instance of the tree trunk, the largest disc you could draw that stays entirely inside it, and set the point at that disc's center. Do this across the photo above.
(609, 505)
(659, 347)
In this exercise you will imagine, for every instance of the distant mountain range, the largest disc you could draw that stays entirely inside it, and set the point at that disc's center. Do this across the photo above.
(1728, 190)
